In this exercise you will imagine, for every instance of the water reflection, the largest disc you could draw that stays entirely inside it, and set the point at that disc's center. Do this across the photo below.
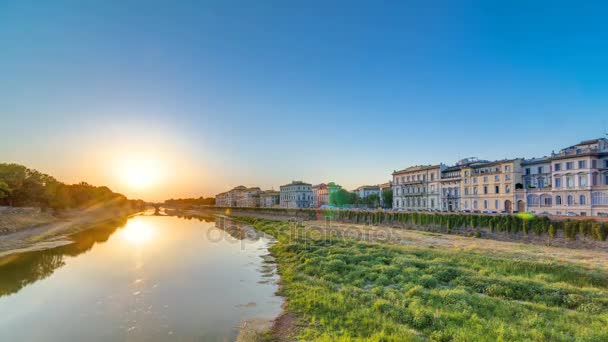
(20, 270)
(151, 278)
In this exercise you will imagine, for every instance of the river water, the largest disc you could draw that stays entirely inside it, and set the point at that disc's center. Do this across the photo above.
(151, 278)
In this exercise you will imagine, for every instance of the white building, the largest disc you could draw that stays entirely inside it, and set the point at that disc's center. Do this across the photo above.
(296, 194)
(366, 190)
(417, 188)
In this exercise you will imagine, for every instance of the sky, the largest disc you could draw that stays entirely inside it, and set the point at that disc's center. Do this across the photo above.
(214, 94)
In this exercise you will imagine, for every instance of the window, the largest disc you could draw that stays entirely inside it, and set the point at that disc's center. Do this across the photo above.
(496, 204)
(475, 180)
(432, 176)
(594, 179)
(485, 204)
(606, 179)
(569, 165)
(466, 204)
(507, 188)
(546, 200)
(558, 182)
(466, 191)
(582, 180)
(466, 181)
(594, 164)
(475, 191)
(485, 179)
(606, 163)
(569, 182)
(540, 169)
(557, 167)
(485, 190)
(582, 200)
(507, 168)
(474, 204)
(497, 178)
(497, 189)
(570, 200)
(582, 164)
(507, 177)
(558, 200)
(527, 171)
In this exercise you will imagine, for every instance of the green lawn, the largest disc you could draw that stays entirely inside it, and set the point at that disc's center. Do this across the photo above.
(346, 289)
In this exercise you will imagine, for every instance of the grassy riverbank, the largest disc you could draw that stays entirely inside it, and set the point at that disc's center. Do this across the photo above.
(353, 288)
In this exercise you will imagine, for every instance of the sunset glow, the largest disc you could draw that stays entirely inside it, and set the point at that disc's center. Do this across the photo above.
(140, 173)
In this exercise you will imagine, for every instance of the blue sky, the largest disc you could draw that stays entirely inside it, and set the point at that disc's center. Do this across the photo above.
(263, 92)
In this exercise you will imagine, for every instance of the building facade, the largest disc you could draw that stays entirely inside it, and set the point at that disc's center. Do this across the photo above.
(417, 188)
(296, 194)
(490, 186)
(229, 198)
(366, 190)
(249, 197)
(269, 199)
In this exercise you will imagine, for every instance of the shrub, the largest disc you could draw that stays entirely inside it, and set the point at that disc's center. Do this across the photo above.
(428, 281)
(552, 231)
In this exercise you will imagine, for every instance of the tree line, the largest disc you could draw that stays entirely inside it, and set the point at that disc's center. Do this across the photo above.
(21, 186)
(190, 201)
(342, 198)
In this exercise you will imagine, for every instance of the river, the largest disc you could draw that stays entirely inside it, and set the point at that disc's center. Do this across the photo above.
(153, 278)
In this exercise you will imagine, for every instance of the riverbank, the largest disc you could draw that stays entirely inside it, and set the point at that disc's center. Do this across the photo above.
(355, 282)
(575, 233)
(28, 229)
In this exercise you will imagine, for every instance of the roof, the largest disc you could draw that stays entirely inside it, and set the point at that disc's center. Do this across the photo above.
(533, 161)
(417, 168)
(296, 183)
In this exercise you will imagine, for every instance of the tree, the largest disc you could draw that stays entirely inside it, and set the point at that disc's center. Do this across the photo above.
(342, 197)
(387, 198)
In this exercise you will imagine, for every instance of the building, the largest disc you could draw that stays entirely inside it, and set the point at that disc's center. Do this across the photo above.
(269, 199)
(451, 177)
(417, 188)
(573, 181)
(321, 193)
(366, 190)
(296, 194)
(229, 198)
(249, 197)
(490, 186)
(537, 187)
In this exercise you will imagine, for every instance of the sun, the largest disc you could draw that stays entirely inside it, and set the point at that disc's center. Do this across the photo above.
(140, 173)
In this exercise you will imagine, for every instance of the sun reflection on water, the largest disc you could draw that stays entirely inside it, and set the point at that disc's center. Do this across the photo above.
(138, 232)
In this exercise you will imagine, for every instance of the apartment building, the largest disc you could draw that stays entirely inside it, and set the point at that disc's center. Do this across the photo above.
(296, 194)
(321, 193)
(417, 188)
(490, 186)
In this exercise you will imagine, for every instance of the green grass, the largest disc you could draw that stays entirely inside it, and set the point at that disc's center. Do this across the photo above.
(346, 289)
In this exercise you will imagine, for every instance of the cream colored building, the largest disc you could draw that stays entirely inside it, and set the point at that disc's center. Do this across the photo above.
(229, 198)
(296, 194)
(490, 186)
(417, 188)
(249, 197)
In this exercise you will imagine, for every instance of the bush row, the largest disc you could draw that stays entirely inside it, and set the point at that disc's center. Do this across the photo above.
(524, 223)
